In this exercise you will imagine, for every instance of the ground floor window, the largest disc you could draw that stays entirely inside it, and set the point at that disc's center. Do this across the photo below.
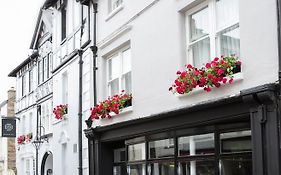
(177, 153)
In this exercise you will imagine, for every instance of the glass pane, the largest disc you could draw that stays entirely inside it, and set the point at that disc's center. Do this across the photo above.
(114, 87)
(197, 168)
(115, 4)
(236, 141)
(138, 169)
(126, 61)
(127, 78)
(196, 145)
(199, 24)
(136, 152)
(227, 13)
(119, 170)
(114, 67)
(230, 41)
(161, 148)
(165, 168)
(119, 155)
(201, 52)
(241, 165)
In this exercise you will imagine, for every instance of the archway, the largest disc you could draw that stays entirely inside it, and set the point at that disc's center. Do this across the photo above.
(47, 164)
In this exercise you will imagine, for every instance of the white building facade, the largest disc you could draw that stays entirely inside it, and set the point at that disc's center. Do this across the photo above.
(99, 48)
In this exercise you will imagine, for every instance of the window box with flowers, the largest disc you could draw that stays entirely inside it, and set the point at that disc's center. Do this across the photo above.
(61, 112)
(24, 139)
(112, 106)
(213, 74)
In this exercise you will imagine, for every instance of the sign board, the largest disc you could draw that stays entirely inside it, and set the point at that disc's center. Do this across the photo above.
(9, 127)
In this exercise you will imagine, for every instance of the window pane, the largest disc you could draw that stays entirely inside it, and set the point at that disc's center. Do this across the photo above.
(230, 41)
(196, 145)
(201, 52)
(114, 87)
(197, 168)
(126, 61)
(119, 170)
(161, 148)
(239, 165)
(227, 13)
(127, 82)
(199, 24)
(165, 168)
(119, 155)
(136, 152)
(114, 67)
(138, 169)
(236, 142)
(115, 4)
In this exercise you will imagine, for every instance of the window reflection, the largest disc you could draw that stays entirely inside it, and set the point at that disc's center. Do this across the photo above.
(138, 169)
(196, 168)
(166, 168)
(194, 145)
(161, 148)
(136, 152)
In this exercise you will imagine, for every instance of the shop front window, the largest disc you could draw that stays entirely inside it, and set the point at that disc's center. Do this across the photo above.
(213, 153)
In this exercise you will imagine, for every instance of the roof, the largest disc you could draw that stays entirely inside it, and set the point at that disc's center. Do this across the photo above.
(49, 3)
(14, 72)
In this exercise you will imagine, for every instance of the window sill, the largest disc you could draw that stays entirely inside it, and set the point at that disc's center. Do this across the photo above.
(124, 111)
(236, 78)
(114, 12)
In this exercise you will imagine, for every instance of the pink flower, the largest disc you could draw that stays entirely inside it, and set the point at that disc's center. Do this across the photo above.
(230, 81)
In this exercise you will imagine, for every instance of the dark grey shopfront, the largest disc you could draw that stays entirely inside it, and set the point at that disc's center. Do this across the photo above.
(238, 135)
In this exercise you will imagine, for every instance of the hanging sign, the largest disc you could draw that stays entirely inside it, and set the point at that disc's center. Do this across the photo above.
(8, 127)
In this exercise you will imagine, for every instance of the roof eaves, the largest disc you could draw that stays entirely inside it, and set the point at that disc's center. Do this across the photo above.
(14, 72)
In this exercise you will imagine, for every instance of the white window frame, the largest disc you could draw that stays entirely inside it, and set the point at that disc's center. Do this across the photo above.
(111, 5)
(213, 31)
(121, 84)
(64, 87)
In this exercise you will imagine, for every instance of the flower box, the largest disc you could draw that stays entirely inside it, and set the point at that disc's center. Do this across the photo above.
(61, 111)
(215, 73)
(113, 105)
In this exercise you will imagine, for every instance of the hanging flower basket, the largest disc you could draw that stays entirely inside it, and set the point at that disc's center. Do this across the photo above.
(61, 111)
(213, 74)
(113, 105)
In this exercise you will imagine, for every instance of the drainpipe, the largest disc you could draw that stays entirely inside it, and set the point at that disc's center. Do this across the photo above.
(89, 122)
(278, 3)
(80, 53)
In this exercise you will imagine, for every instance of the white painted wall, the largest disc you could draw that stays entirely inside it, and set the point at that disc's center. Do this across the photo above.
(157, 40)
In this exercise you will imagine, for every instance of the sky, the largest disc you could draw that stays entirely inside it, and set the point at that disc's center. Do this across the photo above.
(18, 19)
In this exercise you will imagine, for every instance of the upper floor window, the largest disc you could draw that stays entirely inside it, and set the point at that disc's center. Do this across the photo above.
(30, 83)
(119, 72)
(213, 30)
(23, 85)
(44, 68)
(114, 4)
(61, 5)
(64, 88)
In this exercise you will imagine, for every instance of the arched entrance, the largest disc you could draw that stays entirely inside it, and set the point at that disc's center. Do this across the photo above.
(47, 164)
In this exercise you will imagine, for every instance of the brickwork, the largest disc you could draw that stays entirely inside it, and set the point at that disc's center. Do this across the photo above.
(11, 141)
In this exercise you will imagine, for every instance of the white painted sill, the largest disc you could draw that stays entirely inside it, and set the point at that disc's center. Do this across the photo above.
(236, 78)
(56, 121)
(124, 111)
(114, 12)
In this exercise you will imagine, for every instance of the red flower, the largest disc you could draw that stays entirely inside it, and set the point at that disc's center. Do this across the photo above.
(216, 59)
(208, 89)
(230, 81)
(189, 66)
(208, 65)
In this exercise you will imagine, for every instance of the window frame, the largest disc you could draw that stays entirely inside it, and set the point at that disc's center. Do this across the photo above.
(111, 5)
(120, 77)
(213, 34)
(214, 160)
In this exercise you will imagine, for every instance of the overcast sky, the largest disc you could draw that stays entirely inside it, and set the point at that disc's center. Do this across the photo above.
(18, 20)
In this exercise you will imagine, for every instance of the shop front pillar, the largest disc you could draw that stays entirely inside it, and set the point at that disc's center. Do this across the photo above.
(264, 113)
